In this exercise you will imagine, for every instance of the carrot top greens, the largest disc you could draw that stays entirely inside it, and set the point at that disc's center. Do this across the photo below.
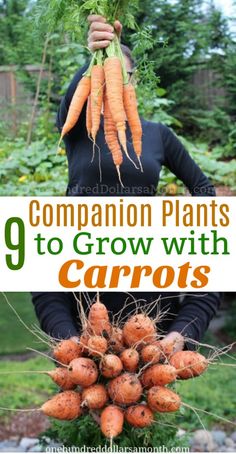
(70, 15)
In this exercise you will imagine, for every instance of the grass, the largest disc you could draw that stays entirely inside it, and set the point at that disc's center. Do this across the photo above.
(214, 392)
(14, 337)
(24, 390)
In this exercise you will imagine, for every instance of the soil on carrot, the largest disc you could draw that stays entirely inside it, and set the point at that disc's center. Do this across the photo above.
(23, 425)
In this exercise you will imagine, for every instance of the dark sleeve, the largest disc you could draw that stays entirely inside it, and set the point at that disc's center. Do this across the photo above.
(195, 314)
(178, 161)
(55, 313)
(65, 103)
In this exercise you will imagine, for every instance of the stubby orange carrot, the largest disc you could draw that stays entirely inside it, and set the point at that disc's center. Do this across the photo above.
(94, 397)
(130, 359)
(140, 330)
(158, 374)
(112, 420)
(64, 406)
(83, 372)
(97, 345)
(189, 364)
(98, 320)
(151, 354)
(163, 399)
(116, 340)
(111, 366)
(139, 415)
(67, 350)
(125, 389)
(61, 377)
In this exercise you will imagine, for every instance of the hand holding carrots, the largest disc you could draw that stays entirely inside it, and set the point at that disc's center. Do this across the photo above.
(101, 33)
(175, 339)
(107, 77)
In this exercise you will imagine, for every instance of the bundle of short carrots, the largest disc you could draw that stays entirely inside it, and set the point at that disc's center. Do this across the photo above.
(105, 87)
(118, 373)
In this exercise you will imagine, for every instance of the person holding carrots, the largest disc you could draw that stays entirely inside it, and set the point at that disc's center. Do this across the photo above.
(92, 174)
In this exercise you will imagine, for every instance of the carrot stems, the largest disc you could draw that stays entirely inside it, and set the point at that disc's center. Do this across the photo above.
(88, 72)
(121, 57)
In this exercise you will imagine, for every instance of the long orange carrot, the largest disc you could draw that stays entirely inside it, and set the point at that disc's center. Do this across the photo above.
(114, 88)
(111, 138)
(89, 116)
(131, 110)
(97, 87)
(80, 95)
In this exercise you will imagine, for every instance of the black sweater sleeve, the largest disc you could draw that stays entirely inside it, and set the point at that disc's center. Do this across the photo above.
(195, 313)
(65, 103)
(55, 313)
(178, 160)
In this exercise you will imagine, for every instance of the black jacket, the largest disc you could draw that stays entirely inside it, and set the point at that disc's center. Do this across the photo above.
(160, 147)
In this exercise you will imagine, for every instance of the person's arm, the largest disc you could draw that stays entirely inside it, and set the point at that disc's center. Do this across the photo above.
(178, 161)
(196, 312)
(55, 313)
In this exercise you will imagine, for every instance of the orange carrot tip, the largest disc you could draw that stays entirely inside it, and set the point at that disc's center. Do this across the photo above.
(94, 145)
(128, 156)
(122, 139)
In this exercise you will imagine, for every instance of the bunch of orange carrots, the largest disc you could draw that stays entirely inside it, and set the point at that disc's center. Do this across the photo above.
(118, 373)
(106, 88)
